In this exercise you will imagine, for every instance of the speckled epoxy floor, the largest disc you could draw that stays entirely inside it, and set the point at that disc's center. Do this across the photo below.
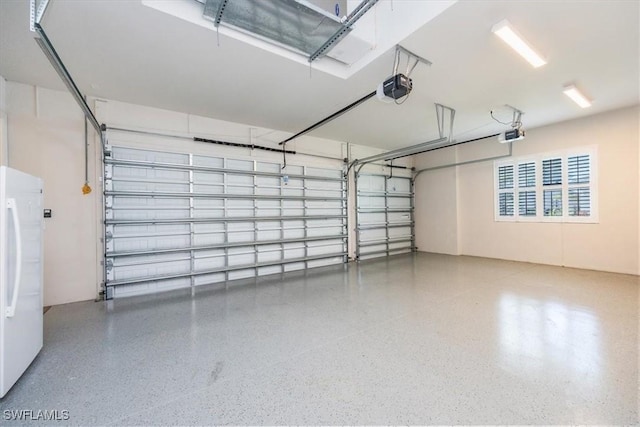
(413, 339)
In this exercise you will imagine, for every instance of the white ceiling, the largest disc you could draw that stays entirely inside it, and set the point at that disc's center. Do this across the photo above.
(125, 51)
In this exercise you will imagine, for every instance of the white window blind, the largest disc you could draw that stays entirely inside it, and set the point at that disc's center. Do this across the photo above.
(527, 189)
(506, 204)
(547, 187)
(506, 190)
(552, 171)
(579, 173)
(505, 177)
(552, 202)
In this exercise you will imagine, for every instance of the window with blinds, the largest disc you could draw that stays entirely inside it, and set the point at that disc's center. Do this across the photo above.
(552, 183)
(506, 190)
(552, 201)
(552, 171)
(579, 173)
(527, 189)
(547, 188)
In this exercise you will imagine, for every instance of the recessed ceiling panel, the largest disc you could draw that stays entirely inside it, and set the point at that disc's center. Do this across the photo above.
(296, 24)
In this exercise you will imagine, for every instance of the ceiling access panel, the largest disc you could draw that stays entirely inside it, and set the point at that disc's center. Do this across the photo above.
(384, 215)
(298, 25)
(177, 220)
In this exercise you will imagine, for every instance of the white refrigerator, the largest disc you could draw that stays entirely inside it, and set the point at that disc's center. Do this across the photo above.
(21, 269)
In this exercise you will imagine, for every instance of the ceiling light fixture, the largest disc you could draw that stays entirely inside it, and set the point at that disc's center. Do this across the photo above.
(576, 96)
(509, 35)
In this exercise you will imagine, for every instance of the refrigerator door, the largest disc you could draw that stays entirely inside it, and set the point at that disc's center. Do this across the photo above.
(21, 270)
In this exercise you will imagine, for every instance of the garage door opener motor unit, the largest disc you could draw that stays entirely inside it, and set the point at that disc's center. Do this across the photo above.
(394, 88)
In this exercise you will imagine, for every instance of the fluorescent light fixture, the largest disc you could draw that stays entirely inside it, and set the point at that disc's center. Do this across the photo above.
(576, 96)
(505, 31)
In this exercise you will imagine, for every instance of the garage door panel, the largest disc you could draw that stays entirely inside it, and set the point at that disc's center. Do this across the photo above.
(237, 189)
(212, 213)
(209, 261)
(207, 279)
(240, 236)
(372, 218)
(273, 269)
(268, 235)
(123, 244)
(292, 191)
(398, 185)
(149, 214)
(396, 217)
(267, 167)
(150, 268)
(210, 227)
(323, 185)
(149, 155)
(399, 203)
(293, 170)
(140, 230)
(269, 253)
(205, 161)
(323, 262)
(371, 202)
(150, 287)
(401, 245)
(240, 165)
(242, 274)
(119, 203)
(157, 240)
(267, 181)
(150, 186)
(209, 239)
(320, 223)
(398, 232)
(132, 173)
(267, 212)
(293, 233)
(293, 253)
(324, 231)
(294, 266)
(208, 188)
(323, 249)
(384, 215)
(296, 183)
(206, 203)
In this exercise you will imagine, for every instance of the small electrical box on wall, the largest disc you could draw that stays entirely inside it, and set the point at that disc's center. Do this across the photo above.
(47, 213)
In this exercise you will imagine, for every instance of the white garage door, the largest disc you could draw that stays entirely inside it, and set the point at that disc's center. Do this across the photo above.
(175, 220)
(384, 213)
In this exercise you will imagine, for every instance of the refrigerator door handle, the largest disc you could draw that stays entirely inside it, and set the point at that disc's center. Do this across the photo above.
(13, 206)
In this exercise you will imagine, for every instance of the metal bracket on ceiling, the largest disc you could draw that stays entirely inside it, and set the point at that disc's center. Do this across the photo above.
(516, 118)
(442, 118)
(516, 121)
(354, 16)
(36, 13)
(412, 60)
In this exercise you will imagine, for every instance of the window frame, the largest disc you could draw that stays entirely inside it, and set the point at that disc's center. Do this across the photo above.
(539, 188)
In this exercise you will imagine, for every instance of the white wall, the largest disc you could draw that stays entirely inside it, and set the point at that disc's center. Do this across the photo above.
(46, 138)
(436, 203)
(610, 245)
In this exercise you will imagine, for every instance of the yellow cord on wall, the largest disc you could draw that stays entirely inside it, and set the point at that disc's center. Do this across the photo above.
(86, 189)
